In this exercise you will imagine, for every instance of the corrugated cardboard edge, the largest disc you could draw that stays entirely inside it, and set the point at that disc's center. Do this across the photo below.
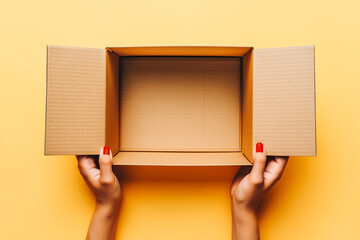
(46, 97)
(315, 153)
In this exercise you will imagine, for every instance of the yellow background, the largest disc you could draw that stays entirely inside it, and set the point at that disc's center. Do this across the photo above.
(46, 198)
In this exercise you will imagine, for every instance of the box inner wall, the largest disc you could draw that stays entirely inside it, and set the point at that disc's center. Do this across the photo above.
(185, 104)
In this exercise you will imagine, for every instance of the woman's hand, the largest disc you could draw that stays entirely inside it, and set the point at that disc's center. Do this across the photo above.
(106, 188)
(248, 188)
(102, 182)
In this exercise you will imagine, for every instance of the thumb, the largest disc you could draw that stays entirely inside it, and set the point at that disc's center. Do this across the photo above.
(105, 162)
(259, 156)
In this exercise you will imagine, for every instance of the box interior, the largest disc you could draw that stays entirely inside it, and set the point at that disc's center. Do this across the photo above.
(180, 104)
(178, 107)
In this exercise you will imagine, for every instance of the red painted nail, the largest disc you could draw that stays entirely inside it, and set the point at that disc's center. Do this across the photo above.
(106, 150)
(259, 147)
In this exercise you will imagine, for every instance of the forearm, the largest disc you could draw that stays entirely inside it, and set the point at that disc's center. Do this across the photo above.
(234, 237)
(103, 222)
(245, 224)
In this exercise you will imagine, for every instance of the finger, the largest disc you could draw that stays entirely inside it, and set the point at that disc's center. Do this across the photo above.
(282, 161)
(274, 171)
(85, 164)
(259, 157)
(105, 161)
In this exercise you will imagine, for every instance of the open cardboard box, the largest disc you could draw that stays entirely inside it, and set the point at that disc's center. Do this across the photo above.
(180, 105)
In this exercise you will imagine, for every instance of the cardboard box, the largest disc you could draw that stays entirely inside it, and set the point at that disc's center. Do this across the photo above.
(180, 105)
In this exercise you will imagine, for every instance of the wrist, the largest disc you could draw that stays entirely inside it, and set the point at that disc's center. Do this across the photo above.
(244, 211)
(108, 201)
(108, 209)
(248, 206)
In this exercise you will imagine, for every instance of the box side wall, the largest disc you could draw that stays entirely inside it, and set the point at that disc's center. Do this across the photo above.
(112, 101)
(247, 106)
(75, 114)
(240, 102)
(284, 100)
(181, 51)
(180, 159)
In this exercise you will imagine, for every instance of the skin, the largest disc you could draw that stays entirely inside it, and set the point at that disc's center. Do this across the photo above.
(106, 188)
(247, 190)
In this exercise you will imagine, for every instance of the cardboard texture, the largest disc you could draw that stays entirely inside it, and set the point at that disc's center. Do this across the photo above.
(284, 100)
(180, 105)
(75, 103)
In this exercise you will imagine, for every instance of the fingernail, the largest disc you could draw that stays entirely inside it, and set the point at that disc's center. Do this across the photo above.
(259, 147)
(106, 150)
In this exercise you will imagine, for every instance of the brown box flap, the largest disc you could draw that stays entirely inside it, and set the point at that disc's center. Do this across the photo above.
(284, 100)
(75, 104)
